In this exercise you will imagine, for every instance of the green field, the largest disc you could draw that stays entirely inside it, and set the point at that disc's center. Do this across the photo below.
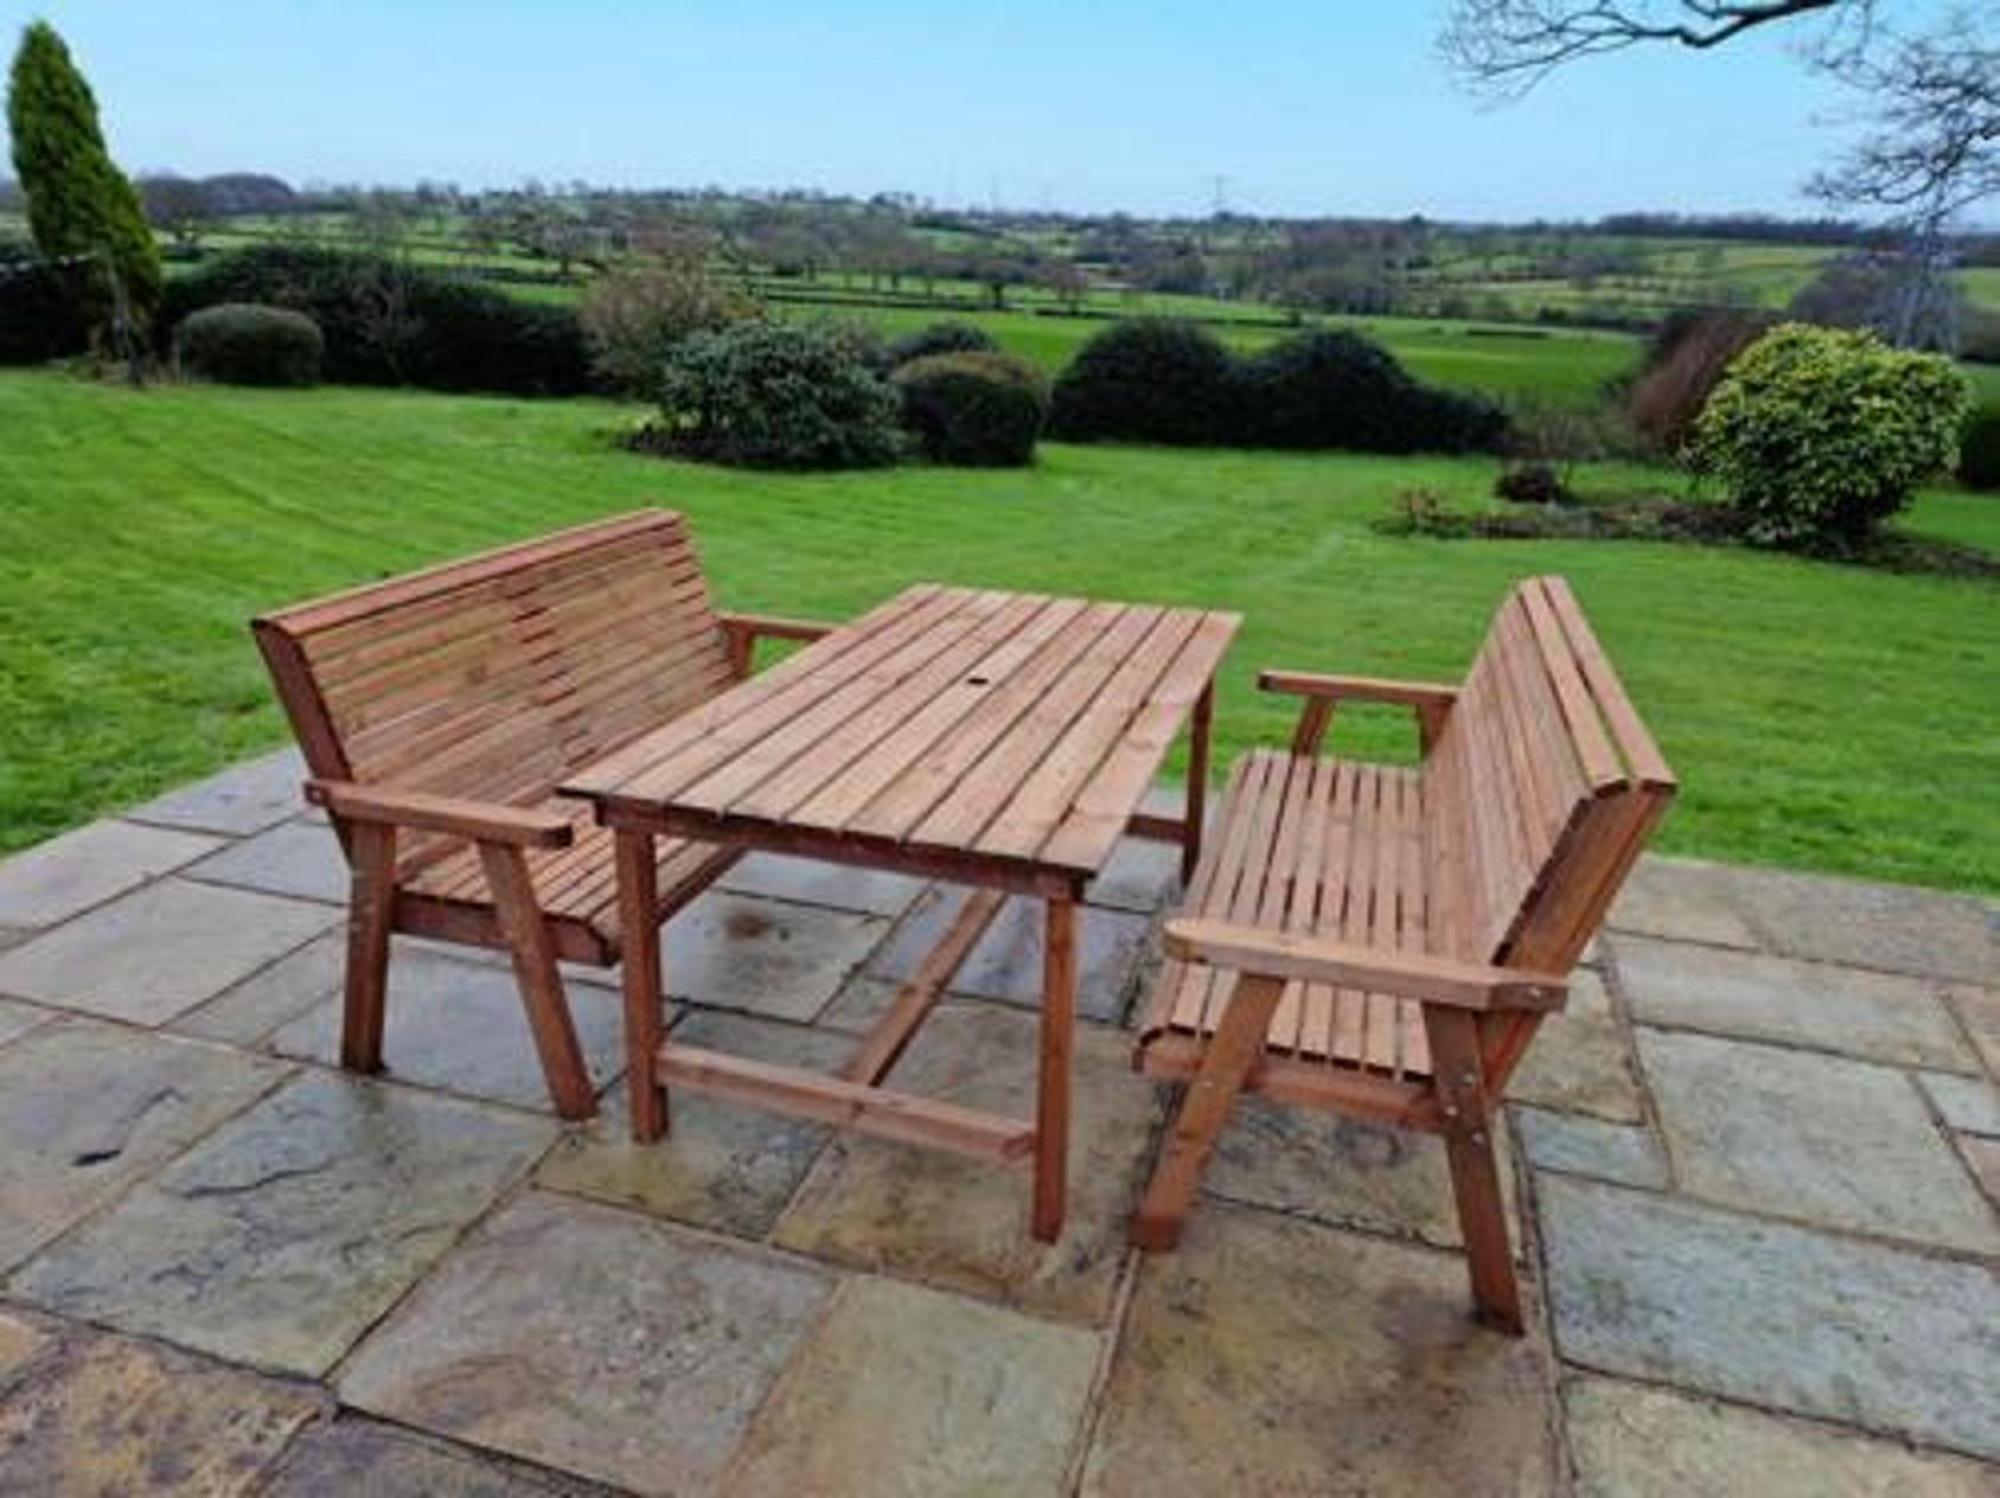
(1821, 716)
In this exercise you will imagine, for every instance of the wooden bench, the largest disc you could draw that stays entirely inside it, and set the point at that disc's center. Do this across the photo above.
(438, 712)
(1384, 942)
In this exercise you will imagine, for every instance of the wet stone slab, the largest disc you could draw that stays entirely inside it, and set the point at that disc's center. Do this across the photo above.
(766, 957)
(365, 1457)
(1269, 1355)
(812, 881)
(245, 1013)
(1342, 1171)
(1682, 900)
(1581, 1059)
(300, 859)
(904, 1391)
(460, 1026)
(1969, 1104)
(53, 881)
(1632, 1441)
(243, 799)
(1623, 1153)
(1142, 875)
(1668, 1290)
(1840, 1143)
(592, 1340)
(1872, 925)
(86, 1109)
(722, 1165)
(159, 951)
(1876, 1016)
(280, 1238)
(107, 1415)
(1006, 963)
(963, 1224)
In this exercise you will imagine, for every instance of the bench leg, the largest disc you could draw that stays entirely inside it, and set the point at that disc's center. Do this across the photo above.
(638, 924)
(370, 911)
(1475, 1173)
(1201, 730)
(1232, 1051)
(1052, 1083)
(541, 984)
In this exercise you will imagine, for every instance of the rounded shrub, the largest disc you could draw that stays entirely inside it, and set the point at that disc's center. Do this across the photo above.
(1531, 483)
(974, 409)
(1151, 379)
(941, 338)
(1820, 434)
(1337, 389)
(244, 343)
(1979, 449)
(779, 395)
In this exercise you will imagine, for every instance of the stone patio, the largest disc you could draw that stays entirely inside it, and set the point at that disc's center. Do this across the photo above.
(1755, 1166)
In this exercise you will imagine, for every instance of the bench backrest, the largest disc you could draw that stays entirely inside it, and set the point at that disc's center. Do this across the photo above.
(494, 676)
(1540, 790)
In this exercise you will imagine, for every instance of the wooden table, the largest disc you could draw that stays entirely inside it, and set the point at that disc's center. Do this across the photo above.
(1002, 741)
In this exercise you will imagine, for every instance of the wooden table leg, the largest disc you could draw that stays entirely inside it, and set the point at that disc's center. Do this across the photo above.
(639, 926)
(1197, 785)
(1052, 1086)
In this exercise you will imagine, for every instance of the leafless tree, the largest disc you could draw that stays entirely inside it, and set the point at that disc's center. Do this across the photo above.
(1930, 99)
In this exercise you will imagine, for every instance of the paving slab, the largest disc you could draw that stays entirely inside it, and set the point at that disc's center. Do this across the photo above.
(901, 1390)
(962, 1224)
(353, 1455)
(243, 799)
(1142, 875)
(862, 1000)
(1682, 899)
(1581, 1058)
(283, 1236)
(722, 1165)
(460, 1026)
(87, 1109)
(108, 1415)
(21, 1342)
(1634, 1441)
(1342, 1171)
(1627, 1154)
(593, 1340)
(1983, 1155)
(300, 859)
(1876, 1016)
(1889, 926)
(246, 1012)
(17, 1018)
(813, 881)
(1839, 1143)
(1669, 1290)
(148, 956)
(766, 957)
(1270, 1355)
(1006, 963)
(1970, 1105)
(55, 880)
(1979, 1010)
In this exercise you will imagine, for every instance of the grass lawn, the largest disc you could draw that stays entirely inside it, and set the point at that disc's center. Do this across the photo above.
(1820, 716)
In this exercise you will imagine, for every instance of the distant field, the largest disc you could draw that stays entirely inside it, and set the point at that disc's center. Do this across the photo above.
(1820, 716)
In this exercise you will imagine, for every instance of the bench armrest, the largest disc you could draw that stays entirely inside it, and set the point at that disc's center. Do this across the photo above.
(1429, 700)
(481, 821)
(1410, 975)
(1358, 688)
(743, 631)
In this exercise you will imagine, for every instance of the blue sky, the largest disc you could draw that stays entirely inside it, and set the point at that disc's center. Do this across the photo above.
(1336, 107)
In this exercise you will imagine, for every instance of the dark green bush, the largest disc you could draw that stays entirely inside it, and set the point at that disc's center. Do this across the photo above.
(1337, 389)
(779, 395)
(1820, 434)
(1979, 449)
(241, 343)
(40, 318)
(941, 338)
(980, 410)
(1152, 379)
(387, 322)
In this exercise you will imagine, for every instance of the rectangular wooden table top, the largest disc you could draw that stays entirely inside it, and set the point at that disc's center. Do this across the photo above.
(948, 727)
